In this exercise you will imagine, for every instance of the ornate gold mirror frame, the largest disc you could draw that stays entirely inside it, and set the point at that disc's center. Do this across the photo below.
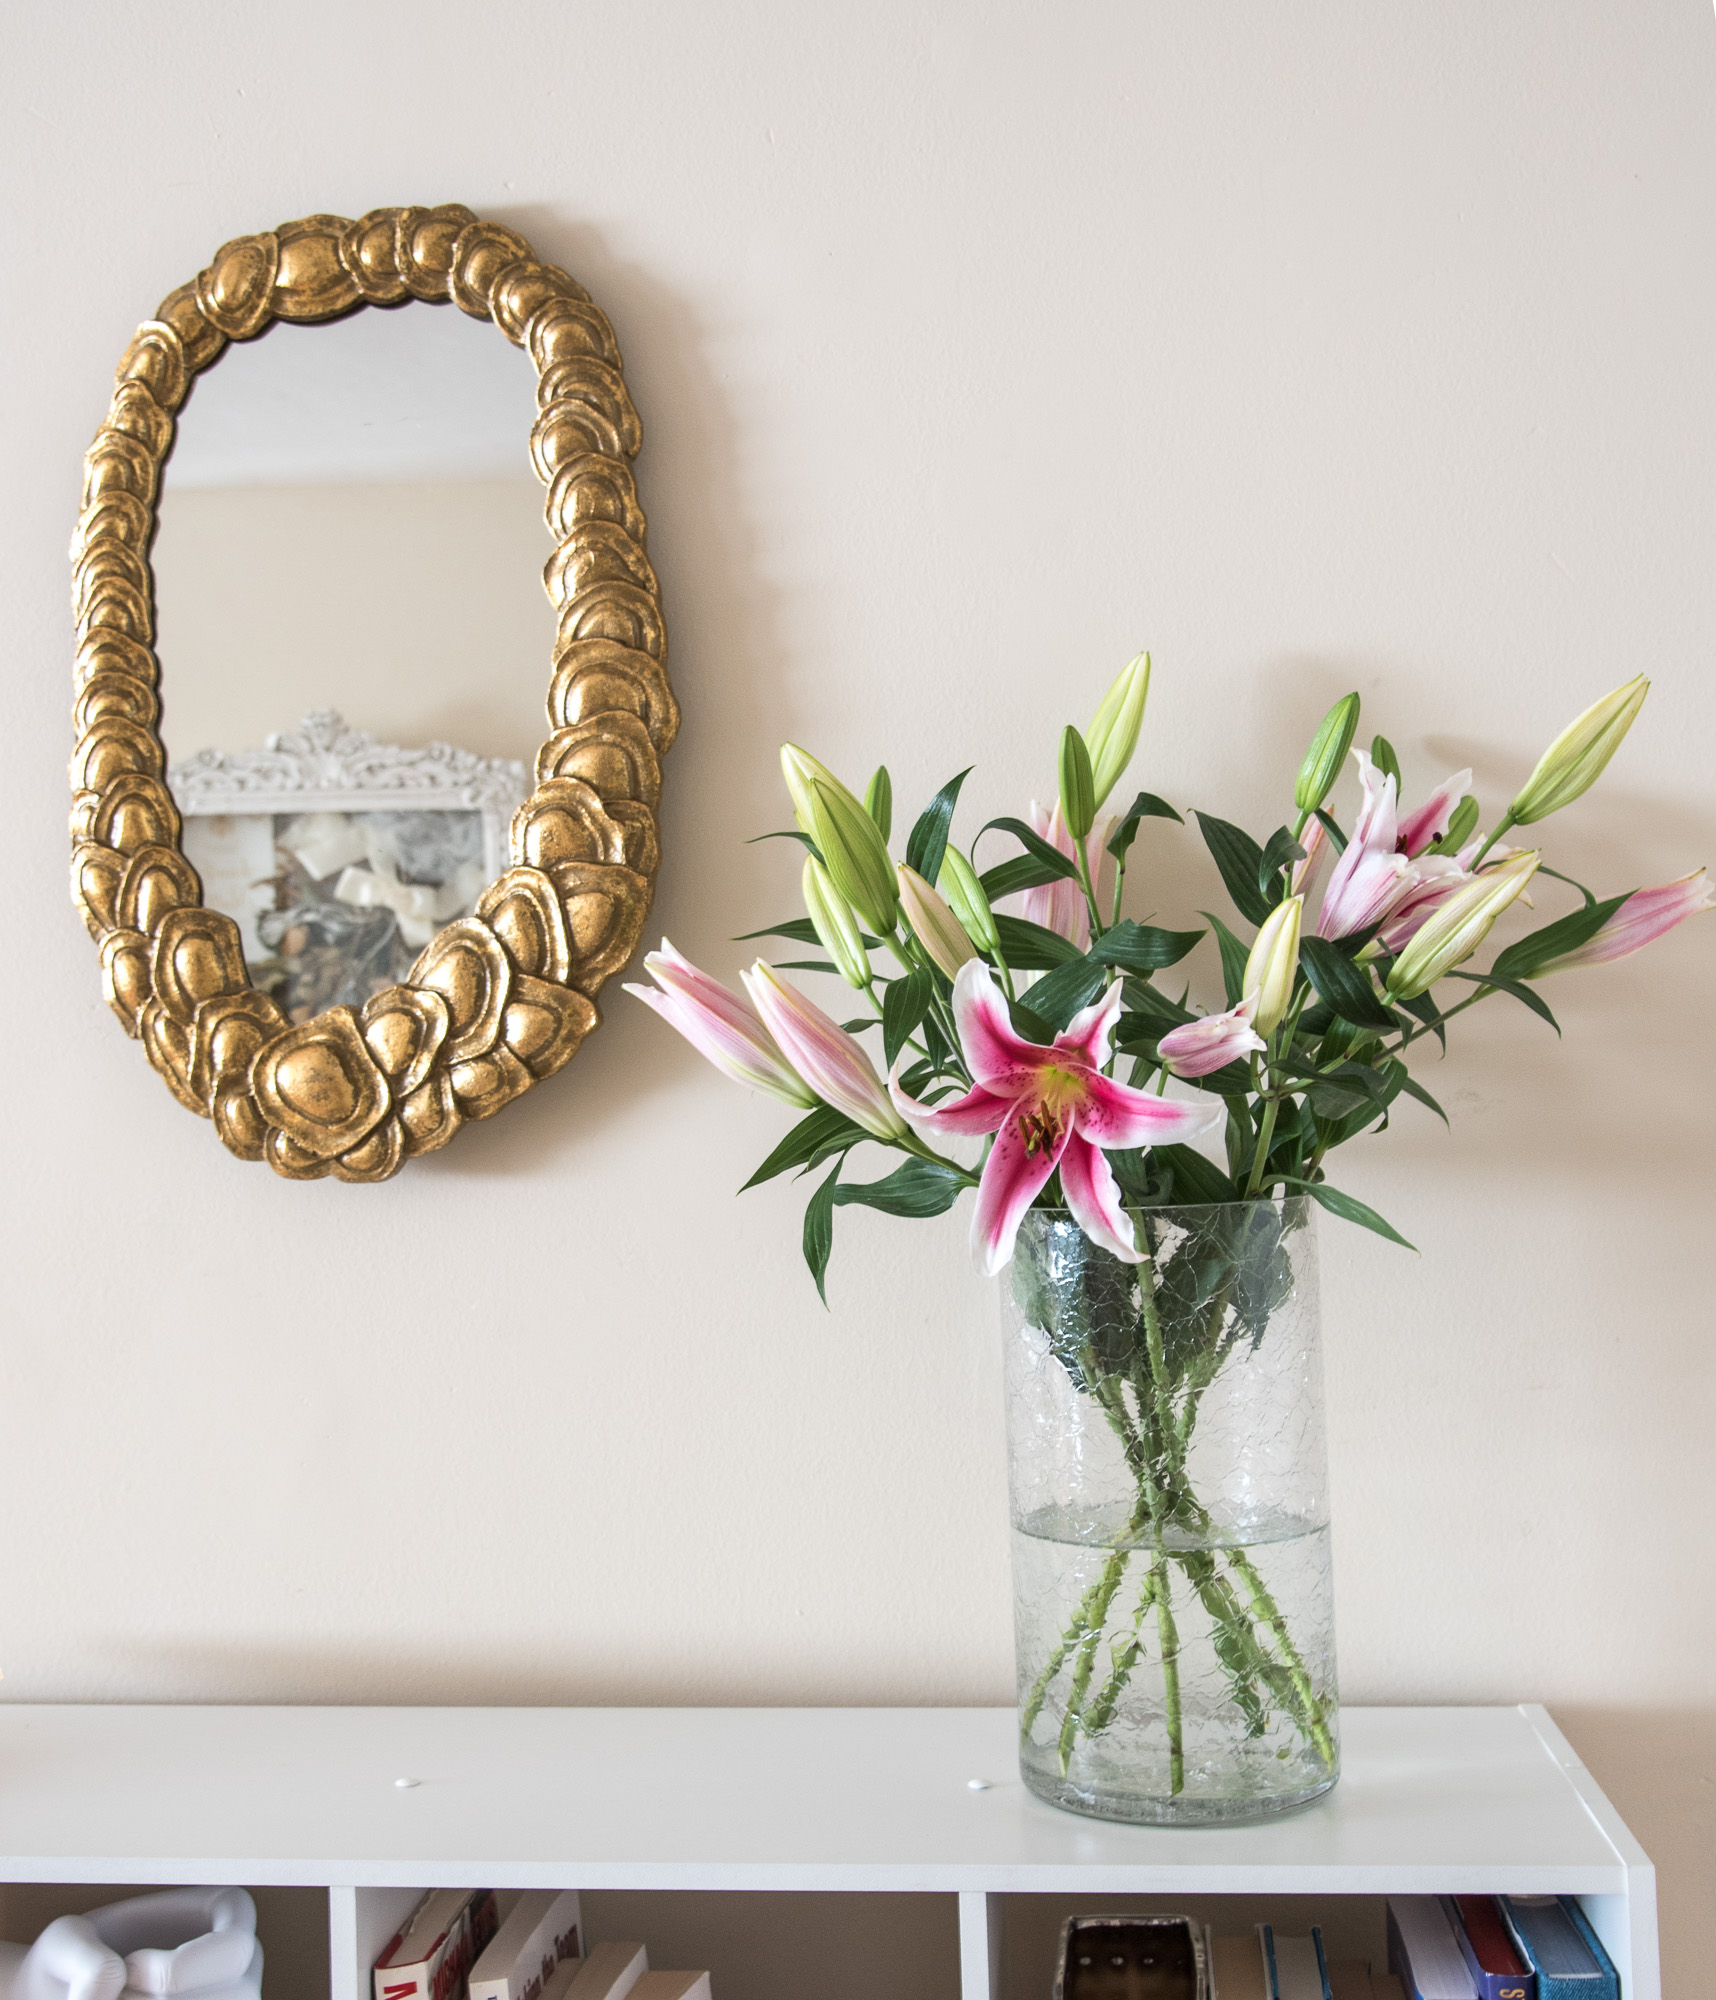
(497, 1001)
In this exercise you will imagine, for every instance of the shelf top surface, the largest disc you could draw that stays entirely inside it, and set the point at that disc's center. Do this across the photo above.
(1450, 1798)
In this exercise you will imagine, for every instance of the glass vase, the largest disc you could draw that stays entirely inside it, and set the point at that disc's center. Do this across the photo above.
(1172, 1593)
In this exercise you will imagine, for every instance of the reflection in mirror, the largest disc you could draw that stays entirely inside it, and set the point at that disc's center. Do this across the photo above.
(348, 582)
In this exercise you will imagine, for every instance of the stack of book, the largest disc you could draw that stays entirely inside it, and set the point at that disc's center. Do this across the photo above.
(469, 1944)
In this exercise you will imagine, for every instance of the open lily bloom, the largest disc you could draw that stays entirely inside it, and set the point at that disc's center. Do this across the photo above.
(1380, 872)
(1048, 1107)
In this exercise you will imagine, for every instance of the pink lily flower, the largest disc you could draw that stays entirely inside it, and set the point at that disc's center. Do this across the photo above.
(1315, 841)
(1049, 1107)
(1434, 880)
(719, 1025)
(1212, 1043)
(1430, 821)
(824, 1054)
(1060, 906)
(1641, 920)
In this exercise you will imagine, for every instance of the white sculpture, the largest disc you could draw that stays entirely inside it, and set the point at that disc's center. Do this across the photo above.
(181, 1941)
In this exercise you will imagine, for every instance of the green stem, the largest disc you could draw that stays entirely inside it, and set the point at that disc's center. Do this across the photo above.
(1504, 825)
(1269, 1614)
(1265, 1133)
(1096, 924)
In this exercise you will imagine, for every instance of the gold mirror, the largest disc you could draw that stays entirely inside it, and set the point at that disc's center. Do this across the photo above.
(497, 999)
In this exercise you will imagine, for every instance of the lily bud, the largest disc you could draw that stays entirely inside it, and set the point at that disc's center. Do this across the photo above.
(832, 919)
(879, 801)
(1274, 961)
(959, 884)
(823, 1053)
(1113, 733)
(1450, 935)
(1574, 761)
(848, 839)
(1078, 784)
(1328, 752)
(933, 924)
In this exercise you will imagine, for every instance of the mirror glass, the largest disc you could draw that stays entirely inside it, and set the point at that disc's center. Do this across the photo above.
(353, 635)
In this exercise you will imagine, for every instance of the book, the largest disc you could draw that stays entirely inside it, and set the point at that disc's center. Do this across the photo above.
(1422, 1951)
(672, 1986)
(1294, 1967)
(1559, 1945)
(1236, 1968)
(430, 1954)
(560, 1980)
(1489, 1950)
(609, 1973)
(538, 1932)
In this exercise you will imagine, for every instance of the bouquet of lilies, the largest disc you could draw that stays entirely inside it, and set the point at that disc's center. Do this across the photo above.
(1005, 996)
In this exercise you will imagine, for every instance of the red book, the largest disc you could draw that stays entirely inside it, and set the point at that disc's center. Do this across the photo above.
(1490, 1952)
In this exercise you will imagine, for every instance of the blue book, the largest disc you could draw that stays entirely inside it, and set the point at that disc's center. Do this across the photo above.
(1559, 1945)
(1294, 1967)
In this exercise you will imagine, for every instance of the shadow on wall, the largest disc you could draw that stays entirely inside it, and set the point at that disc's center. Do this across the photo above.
(1658, 1766)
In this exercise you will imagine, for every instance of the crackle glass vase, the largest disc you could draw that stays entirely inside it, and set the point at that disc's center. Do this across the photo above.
(1172, 1593)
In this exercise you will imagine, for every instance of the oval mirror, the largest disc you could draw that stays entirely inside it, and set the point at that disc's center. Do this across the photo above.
(335, 902)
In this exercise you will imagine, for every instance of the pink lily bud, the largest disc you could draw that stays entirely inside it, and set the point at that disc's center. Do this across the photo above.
(1212, 1043)
(720, 1026)
(823, 1053)
(1640, 920)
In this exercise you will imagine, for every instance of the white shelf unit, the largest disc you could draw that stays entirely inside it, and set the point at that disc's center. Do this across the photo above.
(740, 1800)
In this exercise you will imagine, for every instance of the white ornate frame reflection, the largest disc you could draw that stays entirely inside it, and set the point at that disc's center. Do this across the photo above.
(497, 1001)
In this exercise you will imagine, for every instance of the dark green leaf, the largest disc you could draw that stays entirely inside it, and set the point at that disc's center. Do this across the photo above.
(1425, 1009)
(1524, 958)
(1143, 948)
(1239, 858)
(1029, 1023)
(788, 833)
(801, 931)
(1343, 985)
(1028, 947)
(1233, 957)
(1196, 1180)
(1413, 1088)
(1519, 990)
(1333, 831)
(928, 842)
(1024, 871)
(1233, 1079)
(1383, 757)
(915, 1189)
(818, 1134)
(1058, 995)
(1034, 844)
(1279, 853)
(1349, 1208)
(806, 965)
(1150, 1014)
(1145, 806)
(904, 1006)
(819, 1231)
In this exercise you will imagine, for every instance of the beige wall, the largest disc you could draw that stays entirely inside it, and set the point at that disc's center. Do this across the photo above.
(1314, 346)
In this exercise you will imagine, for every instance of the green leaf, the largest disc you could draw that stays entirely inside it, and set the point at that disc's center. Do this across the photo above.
(1150, 1014)
(1240, 859)
(818, 1134)
(915, 1189)
(904, 1005)
(1058, 995)
(1058, 865)
(819, 1231)
(1196, 1180)
(1345, 986)
(1589, 894)
(1233, 957)
(787, 833)
(806, 965)
(1333, 831)
(928, 842)
(1280, 852)
(1143, 948)
(1527, 955)
(1383, 757)
(1424, 1009)
(879, 800)
(1024, 871)
(1029, 1023)
(1349, 1208)
(1145, 806)
(1413, 1088)
(1520, 991)
(1029, 947)
(801, 931)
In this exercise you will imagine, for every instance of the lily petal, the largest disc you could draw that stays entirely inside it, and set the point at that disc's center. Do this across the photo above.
(1114, 1114)
(824, 1054)
(1211, 1043)
(1093, 1196)
(1085, 1036)
(1014, 1174)
(1430, 821)
(963, 1118)
(997, 1057)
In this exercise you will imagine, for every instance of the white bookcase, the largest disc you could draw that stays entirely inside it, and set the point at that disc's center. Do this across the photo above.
(376, 1804)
